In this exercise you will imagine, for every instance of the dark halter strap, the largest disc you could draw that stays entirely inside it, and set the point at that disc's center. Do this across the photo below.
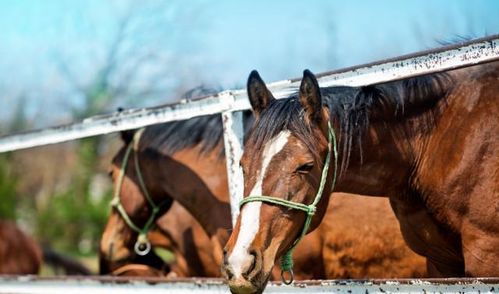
(142, 245)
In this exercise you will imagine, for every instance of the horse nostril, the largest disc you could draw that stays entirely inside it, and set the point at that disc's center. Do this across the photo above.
(226, 268)
(229, 273)
(252, 266)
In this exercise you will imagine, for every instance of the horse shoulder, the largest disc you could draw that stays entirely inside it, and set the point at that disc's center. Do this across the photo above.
(457, 171)
(427, 237)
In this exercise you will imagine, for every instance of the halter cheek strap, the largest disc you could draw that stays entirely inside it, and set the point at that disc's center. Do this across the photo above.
(287, 259)
(142, 245)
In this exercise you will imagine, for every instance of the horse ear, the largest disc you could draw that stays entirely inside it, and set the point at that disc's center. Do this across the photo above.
(258, 94)
(310, 97)
(127, 136)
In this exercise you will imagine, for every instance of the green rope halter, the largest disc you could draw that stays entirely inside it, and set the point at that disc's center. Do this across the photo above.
(142, 245)
(287, 259)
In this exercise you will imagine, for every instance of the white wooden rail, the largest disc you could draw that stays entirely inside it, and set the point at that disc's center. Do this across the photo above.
(228, 103)
(122, 285)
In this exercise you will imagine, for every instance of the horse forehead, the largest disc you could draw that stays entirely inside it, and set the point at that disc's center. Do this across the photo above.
(274, 146)
(256, 159)
(259, 159)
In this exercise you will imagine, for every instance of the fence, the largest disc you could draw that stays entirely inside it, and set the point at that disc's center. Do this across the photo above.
(230, 103)
(117, 285)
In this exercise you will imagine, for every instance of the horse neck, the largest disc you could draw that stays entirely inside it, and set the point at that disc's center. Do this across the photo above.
(380, 163)
(199, 183)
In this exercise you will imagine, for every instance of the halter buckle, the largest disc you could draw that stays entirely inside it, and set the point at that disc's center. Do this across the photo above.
(142, 246)
(291, 277)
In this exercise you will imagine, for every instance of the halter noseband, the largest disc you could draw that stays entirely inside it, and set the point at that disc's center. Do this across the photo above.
(287, 259)
(142, 245)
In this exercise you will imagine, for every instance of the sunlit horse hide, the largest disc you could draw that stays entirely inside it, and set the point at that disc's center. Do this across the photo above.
(429, 143)
(183, 161)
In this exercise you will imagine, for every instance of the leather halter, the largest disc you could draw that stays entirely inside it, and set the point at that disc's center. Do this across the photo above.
(142, 245)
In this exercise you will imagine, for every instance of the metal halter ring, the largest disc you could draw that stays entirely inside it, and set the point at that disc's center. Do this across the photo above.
(291, 278)
(142, 246)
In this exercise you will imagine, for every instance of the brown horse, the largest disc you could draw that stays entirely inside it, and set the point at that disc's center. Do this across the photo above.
(174, 232)
(178, 232)
(429, 143)
(189, 242)
(19, 254)
(184, 161)
(177, 161)
(348, 244)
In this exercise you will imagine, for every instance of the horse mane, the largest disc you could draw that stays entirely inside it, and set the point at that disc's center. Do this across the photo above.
(205, 131)
(354, 108)
(172, 137)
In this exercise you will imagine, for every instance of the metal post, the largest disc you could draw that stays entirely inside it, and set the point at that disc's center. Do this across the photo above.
(233, 140)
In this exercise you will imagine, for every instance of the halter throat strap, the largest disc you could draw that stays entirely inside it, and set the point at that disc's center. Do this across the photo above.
(287, 259)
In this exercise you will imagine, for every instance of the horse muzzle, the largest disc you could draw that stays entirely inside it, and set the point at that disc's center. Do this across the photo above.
(246, 275)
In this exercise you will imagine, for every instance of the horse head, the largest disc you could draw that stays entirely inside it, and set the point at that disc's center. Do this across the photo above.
(137, 203)
(284, 167)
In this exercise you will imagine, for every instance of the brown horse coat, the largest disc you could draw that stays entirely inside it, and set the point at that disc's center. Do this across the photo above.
(429, 143)
(19, 254)
(199, 185)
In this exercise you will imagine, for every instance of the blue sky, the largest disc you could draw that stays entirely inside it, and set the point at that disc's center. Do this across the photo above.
(215, 43)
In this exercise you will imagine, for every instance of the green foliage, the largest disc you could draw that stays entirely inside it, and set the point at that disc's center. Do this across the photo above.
(73, 221)
(8, 180)
(7, 190)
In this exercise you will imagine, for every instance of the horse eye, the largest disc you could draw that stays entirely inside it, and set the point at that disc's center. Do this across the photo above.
(305, 168)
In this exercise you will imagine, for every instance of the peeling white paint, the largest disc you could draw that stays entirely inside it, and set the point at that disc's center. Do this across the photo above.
(34, 285)
(233, 142)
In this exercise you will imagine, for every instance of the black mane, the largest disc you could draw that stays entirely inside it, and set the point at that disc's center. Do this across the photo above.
(353, 108)
(171, 137)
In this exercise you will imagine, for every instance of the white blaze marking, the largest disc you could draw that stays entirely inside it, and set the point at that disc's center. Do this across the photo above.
(250, 214)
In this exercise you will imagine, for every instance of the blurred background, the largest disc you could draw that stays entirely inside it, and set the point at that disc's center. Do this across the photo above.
(63, 60)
